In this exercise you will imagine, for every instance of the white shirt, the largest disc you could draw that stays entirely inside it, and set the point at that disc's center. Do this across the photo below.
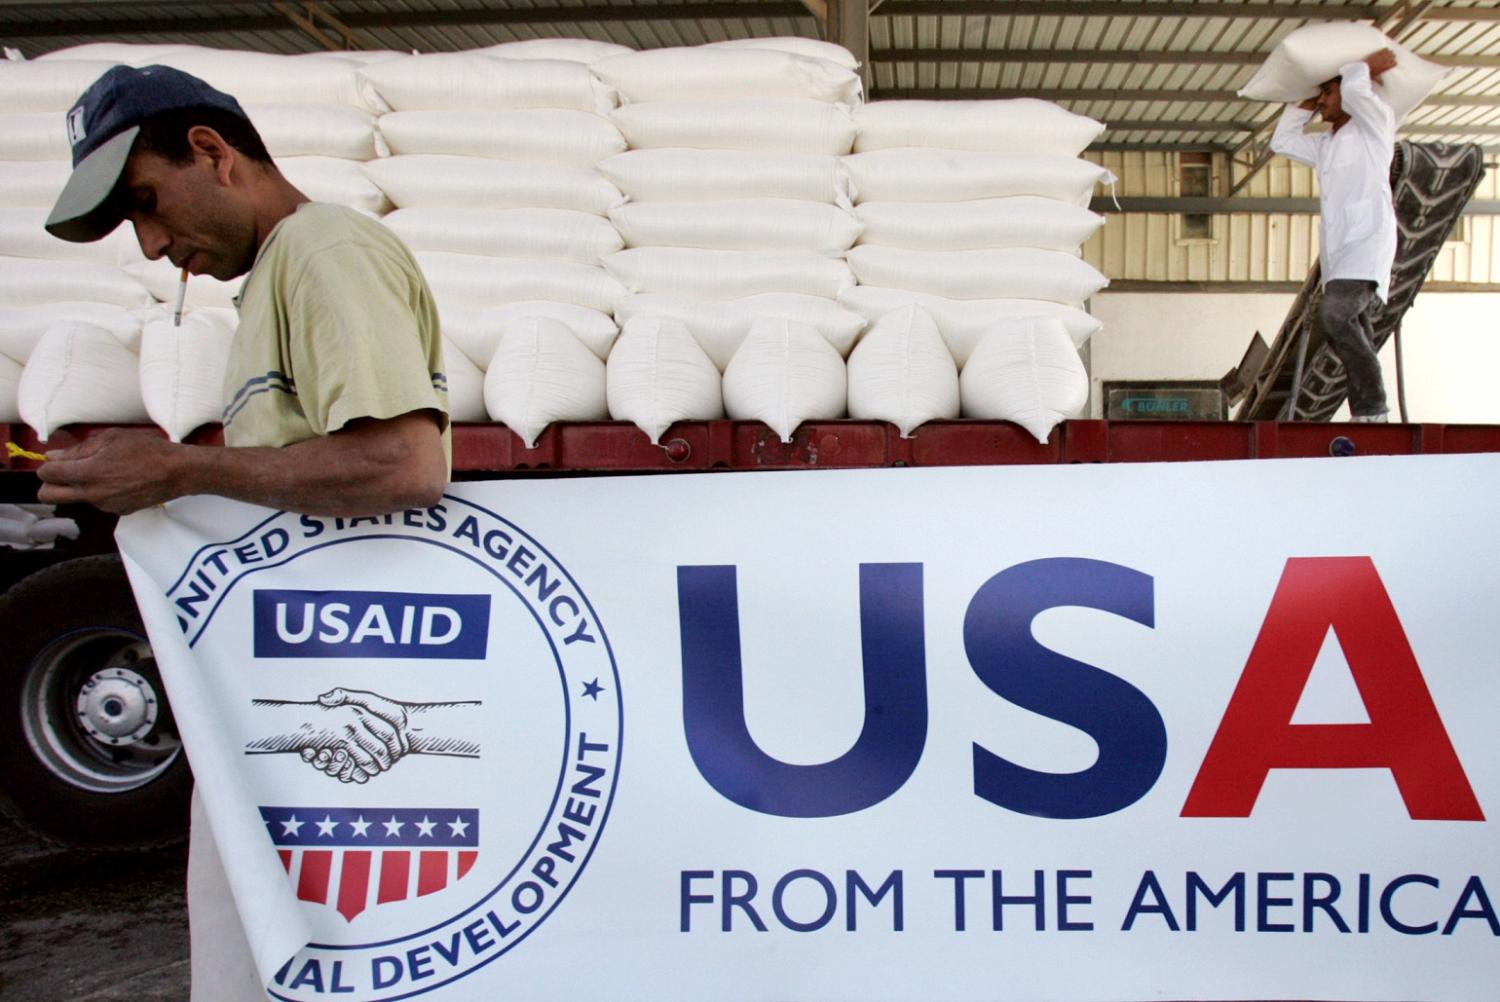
(1357, 233)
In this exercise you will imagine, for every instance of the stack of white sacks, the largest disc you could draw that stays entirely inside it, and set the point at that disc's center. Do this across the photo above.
(492, 174)
(96, 337)
(747, 222)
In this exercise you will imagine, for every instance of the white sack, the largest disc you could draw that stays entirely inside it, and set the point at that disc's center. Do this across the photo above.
(926, 175)
(1007, 273)
(538, 135)
(722, 274)
(1026, 371)
(698, 74)
(471, 280)
(1316, 52)
(575, 50)
(963, 322)
(451, 81)
(290, 130)
(718, 175)
(29, 85)
(809, 48)
(1019, 221)
(762, 125)
(658, 375)
(21, 327)
(536, 233)
(785, 373)
(331, 179)
(1019, 125)
(182, 370)
(80, 374)
(22, 234)
(432, 181)
(13, 531)
(34, 135)
(10, 381)
(721, 326)
(46, 531)
(901, 372)
(775, 224)
(27, 282)
(476, 331)
(465, 385)
(130, 54)
(541, 373)
(264, 78)
(33, 183)
(161, 279)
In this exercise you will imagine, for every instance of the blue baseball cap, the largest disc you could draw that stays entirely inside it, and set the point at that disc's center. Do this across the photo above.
(102, 127)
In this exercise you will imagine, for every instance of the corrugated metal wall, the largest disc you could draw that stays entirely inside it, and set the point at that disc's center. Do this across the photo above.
(1252, 248)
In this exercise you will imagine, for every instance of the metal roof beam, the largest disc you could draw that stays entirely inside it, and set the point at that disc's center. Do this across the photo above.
(1124, 8)
(1176, 94)
(1105, 56)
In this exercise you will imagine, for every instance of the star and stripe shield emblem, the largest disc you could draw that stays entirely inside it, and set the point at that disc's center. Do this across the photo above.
(356, 858)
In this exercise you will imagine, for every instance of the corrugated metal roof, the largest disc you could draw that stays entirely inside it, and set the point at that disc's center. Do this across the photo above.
(1161, 73)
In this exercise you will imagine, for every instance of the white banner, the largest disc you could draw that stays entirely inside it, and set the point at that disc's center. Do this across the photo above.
(1208, 731)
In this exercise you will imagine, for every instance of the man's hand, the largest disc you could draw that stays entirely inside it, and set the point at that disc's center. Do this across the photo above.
(1311, 104)
(1380, 62)
(118, 470)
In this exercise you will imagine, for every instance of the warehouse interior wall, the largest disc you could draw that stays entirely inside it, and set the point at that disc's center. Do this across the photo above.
(1450, 343)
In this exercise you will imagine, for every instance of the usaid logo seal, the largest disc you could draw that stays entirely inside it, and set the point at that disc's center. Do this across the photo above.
(431, 734)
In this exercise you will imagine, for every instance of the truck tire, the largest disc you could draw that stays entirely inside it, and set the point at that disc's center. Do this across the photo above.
(91, 757)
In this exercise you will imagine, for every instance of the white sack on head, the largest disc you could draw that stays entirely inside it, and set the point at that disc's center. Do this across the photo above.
(53, 85)
(34, 182)
(761, 125)
(28, 282)
(808, 48)
(536, 135)
(21, 327)
(721, 326)
(162, 280)
(433, 181)
(564, 234)
(1316, 52)
(182, 369)
(925, 175)
(332, 179)
(1018, 125)
(22, 234)
(698, 74)
(1026, 371)
(1018, 221)
(574, 50)
(716, 175)
(34, 135)
(465, 382)
(471, 280)
(264, 78)
(901, 372)
(720, 274)
(450, 81)
(783, 374)
(773, 224)
(476, 330)
(658, 375)
(291, 130)
(963, 322)
(80, 374)
(541, 373)
(1007, 273)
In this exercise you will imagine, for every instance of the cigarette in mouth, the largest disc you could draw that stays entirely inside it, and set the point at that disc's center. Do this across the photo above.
(181, 295)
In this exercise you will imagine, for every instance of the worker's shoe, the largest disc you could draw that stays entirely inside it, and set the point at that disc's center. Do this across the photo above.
(1382, 418)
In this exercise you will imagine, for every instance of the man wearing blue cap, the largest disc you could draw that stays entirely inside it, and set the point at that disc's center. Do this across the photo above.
(335, 399)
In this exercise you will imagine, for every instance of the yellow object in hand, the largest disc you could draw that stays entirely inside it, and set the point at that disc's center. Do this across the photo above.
(14, 451)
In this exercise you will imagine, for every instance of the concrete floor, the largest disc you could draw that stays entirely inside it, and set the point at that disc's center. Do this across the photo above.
(76, 927)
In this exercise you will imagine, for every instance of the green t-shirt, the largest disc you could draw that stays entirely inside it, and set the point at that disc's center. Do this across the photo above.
(336, 323)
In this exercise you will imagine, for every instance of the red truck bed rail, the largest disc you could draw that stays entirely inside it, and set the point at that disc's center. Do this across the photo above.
(620, 447)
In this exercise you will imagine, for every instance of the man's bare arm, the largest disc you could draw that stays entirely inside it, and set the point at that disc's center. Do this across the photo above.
(369, 467)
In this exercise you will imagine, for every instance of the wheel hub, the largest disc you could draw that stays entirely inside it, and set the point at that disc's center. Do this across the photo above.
(117, 706)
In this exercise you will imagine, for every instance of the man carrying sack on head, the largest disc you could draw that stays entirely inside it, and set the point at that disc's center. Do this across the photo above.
(1357, 235)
